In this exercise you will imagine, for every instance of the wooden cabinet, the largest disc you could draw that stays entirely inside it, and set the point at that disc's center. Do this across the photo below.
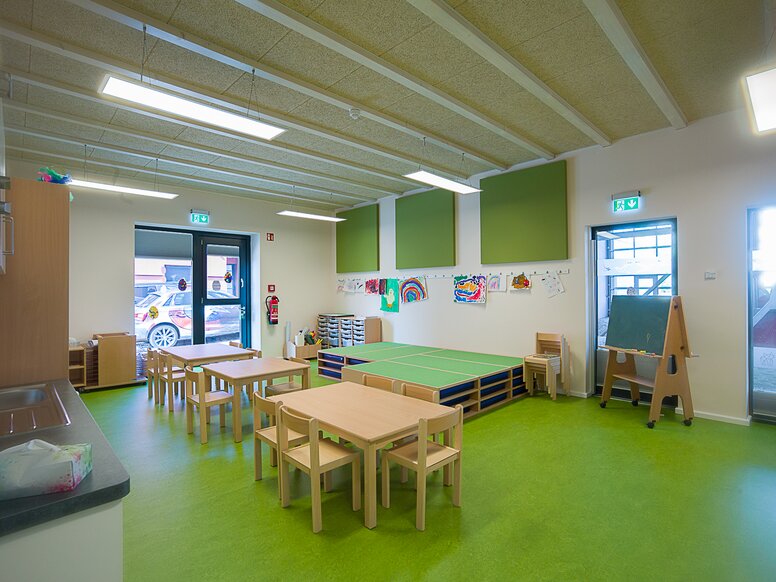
(112, 362)
(337, 330)
(34, 288)
(77, 366)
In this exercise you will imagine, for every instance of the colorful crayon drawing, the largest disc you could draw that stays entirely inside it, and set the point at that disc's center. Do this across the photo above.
(350, 285)
(413, 289)
(520, 282)
(372, 287)
(470, 289)
(497, 283)
(390, 299)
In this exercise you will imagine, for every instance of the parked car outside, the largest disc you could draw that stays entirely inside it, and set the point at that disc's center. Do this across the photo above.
(172, 321)
(143, 290)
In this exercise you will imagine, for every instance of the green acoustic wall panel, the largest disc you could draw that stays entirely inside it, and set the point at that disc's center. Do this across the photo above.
(523, 215)
(425, 230)
(358, 240)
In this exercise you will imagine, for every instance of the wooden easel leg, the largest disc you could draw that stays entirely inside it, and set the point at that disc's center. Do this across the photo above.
(611, 364)
(634, 388)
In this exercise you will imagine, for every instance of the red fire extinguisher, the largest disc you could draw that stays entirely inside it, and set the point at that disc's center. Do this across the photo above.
(272, 302)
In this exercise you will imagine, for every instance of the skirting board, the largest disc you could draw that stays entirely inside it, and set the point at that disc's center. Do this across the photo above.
(720, 417)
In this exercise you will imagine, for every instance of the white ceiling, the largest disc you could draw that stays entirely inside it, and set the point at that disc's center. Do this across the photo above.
(499, 81)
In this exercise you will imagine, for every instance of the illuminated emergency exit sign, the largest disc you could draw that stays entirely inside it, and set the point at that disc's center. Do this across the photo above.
(626, 203)
(200, 217)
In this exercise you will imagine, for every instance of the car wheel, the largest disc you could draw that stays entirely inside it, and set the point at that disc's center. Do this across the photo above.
(163, 335)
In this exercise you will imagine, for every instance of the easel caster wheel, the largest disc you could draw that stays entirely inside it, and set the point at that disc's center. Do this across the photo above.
(602, 405)
(651, 424)
(687, 421)
(635, 402)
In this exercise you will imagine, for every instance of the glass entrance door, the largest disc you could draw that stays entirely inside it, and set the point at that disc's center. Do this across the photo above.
(224, 297)
(762, 312)
(638, 258)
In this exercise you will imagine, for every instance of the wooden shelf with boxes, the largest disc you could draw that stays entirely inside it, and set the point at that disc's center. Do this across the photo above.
(77, 366)
(337, 330)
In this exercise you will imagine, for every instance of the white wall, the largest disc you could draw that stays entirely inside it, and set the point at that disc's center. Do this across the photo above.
(706, 175)
(102, 247)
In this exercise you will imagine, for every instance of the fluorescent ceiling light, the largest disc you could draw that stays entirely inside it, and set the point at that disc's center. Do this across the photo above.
(145, 95)
(440, 182)
(122, 189)
(762, 94)
(313, 216)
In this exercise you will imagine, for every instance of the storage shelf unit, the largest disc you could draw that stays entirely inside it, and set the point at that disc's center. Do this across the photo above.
(77, 366)
(343, 330)
(111, 362)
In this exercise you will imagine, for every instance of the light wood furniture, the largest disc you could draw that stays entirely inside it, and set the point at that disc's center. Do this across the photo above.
(169, 377)
(671, 378)
(269, 434)
(377, 382)
(421, 392)
(243, 373)
(236, 344)
(152, 373)
(200, 354)
(199, 395)
(550, 362)
(306, 352)
(316, 458)
(424, 456)
(291, 386)
(343, 330)
(368, 418)
(77, 366)
(116, 359)
(34, 288)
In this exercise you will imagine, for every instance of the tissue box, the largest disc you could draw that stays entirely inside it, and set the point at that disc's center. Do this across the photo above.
(38, 467)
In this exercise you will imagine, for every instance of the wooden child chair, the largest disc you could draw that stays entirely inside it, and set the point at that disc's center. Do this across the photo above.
(269, 434)
(285, 387)
(424, 456)
(316, 458)
(550, 361)
(377, 382)
(168, 376)
(199, 395)
(151, 373)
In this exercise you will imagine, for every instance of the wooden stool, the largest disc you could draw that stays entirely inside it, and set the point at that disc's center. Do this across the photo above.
(546, 365)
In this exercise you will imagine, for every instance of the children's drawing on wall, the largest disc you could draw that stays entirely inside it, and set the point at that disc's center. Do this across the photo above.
(552, 285)
(359, 286)
(469, 289)
(389, 301)
(340, 285)
(497, 283)
(413, 289)
(350, 285)
(372, 287)
(519, 282)
(381, 286)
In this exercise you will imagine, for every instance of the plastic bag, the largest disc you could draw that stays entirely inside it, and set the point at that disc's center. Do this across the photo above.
(38, 467)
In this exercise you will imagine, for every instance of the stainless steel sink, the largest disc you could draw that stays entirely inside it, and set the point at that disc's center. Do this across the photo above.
(30, 408)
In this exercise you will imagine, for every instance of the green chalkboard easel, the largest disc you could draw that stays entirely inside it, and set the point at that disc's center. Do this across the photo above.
(649, 327)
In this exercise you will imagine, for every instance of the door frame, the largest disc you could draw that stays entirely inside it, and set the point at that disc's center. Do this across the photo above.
(591, 288)
(199, 273)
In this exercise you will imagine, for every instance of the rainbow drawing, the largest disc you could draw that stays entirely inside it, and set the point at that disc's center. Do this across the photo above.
(413, 289)
(470, 289)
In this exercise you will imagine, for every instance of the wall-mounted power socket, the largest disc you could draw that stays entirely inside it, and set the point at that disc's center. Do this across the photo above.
(710, 275)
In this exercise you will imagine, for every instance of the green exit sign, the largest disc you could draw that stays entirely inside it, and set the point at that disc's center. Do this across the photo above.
(626, 204)
(200, 217)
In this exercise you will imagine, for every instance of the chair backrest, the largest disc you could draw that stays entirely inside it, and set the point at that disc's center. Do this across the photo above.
(256, 353)
(269, 407)
(307, 426)
(377, 382)
(195, 382)
(432, 426)
(164, 364)
(420, 392)
(152, 359)
(555, 343)
(236, 344)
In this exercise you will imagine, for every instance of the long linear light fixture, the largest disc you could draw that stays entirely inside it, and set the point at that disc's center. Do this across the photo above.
(150, 97)
(440, 182)
(762, 97)
(121, 189)
(311, 216)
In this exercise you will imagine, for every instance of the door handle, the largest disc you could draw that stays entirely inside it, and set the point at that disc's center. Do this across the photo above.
(242, 283)
(5, 218)
(242, 312)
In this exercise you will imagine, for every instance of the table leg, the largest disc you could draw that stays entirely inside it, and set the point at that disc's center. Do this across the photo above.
(306, 379)
(237, 413)
(370, 486)
(448, 469)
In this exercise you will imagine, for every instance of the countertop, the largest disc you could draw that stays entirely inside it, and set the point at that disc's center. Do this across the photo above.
(107, 482)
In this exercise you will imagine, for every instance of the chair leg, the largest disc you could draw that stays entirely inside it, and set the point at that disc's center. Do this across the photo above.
(420, 511)
(386, 471)
(203, 414)
(273, 458)
(457, 481)
(256, 459)
(356, 480)
(170, 399)
(222, 415)
(405, 474)
(327, 480)
(285, 489)
(189, 419)
(315, 493)
(150, 385)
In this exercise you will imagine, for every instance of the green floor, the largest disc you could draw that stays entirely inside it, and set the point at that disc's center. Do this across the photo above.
(551, 491)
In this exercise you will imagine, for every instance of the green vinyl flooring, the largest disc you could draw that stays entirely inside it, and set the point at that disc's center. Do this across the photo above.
(551, 491)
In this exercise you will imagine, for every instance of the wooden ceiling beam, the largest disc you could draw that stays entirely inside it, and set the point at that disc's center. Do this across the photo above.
(331, 40)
